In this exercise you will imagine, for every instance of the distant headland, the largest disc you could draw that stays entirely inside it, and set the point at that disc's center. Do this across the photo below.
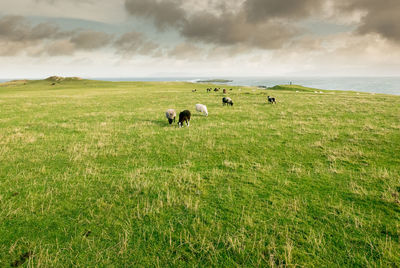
(222, 81)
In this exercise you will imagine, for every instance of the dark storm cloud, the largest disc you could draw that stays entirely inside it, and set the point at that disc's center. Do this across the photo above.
(18, 35)
(225, 27)
(89, 40)
(239, 25)
(16, 28)
(232, 29)
(164, 13)
(58, 1)
(382, 17)
(266, 24)
(135, 43)
(261, 10)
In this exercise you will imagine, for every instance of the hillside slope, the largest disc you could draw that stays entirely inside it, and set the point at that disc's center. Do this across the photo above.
(91, 174)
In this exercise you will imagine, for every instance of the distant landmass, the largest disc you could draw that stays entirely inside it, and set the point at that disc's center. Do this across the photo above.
(60, 79)
(215, 81)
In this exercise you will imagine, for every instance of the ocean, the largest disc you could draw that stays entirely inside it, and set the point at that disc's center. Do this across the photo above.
(386, 85)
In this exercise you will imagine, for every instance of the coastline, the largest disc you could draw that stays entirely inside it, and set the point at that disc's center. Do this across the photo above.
(373, 85)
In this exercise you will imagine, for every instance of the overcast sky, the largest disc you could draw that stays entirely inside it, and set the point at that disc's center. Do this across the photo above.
(137, 38)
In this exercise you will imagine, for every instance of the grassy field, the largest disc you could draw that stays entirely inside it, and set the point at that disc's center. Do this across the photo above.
(91, 174)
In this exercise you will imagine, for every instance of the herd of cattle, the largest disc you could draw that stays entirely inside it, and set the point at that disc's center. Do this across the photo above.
(184, 116)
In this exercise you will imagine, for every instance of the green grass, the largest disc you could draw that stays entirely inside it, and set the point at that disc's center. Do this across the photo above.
(91, 174)
(296, 88)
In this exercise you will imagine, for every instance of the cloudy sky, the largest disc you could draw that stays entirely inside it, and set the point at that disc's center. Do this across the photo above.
(137, 38)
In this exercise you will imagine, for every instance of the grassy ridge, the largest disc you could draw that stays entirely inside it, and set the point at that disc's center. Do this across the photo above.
(92, 174)
(296, 88)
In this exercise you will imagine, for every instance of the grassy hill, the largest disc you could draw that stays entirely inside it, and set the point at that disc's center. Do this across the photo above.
(91, 174)
(296, 88)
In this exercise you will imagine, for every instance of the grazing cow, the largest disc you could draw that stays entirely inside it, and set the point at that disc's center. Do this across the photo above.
(271, 100)
(224, 91)
(227, 101)
(184, 117)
